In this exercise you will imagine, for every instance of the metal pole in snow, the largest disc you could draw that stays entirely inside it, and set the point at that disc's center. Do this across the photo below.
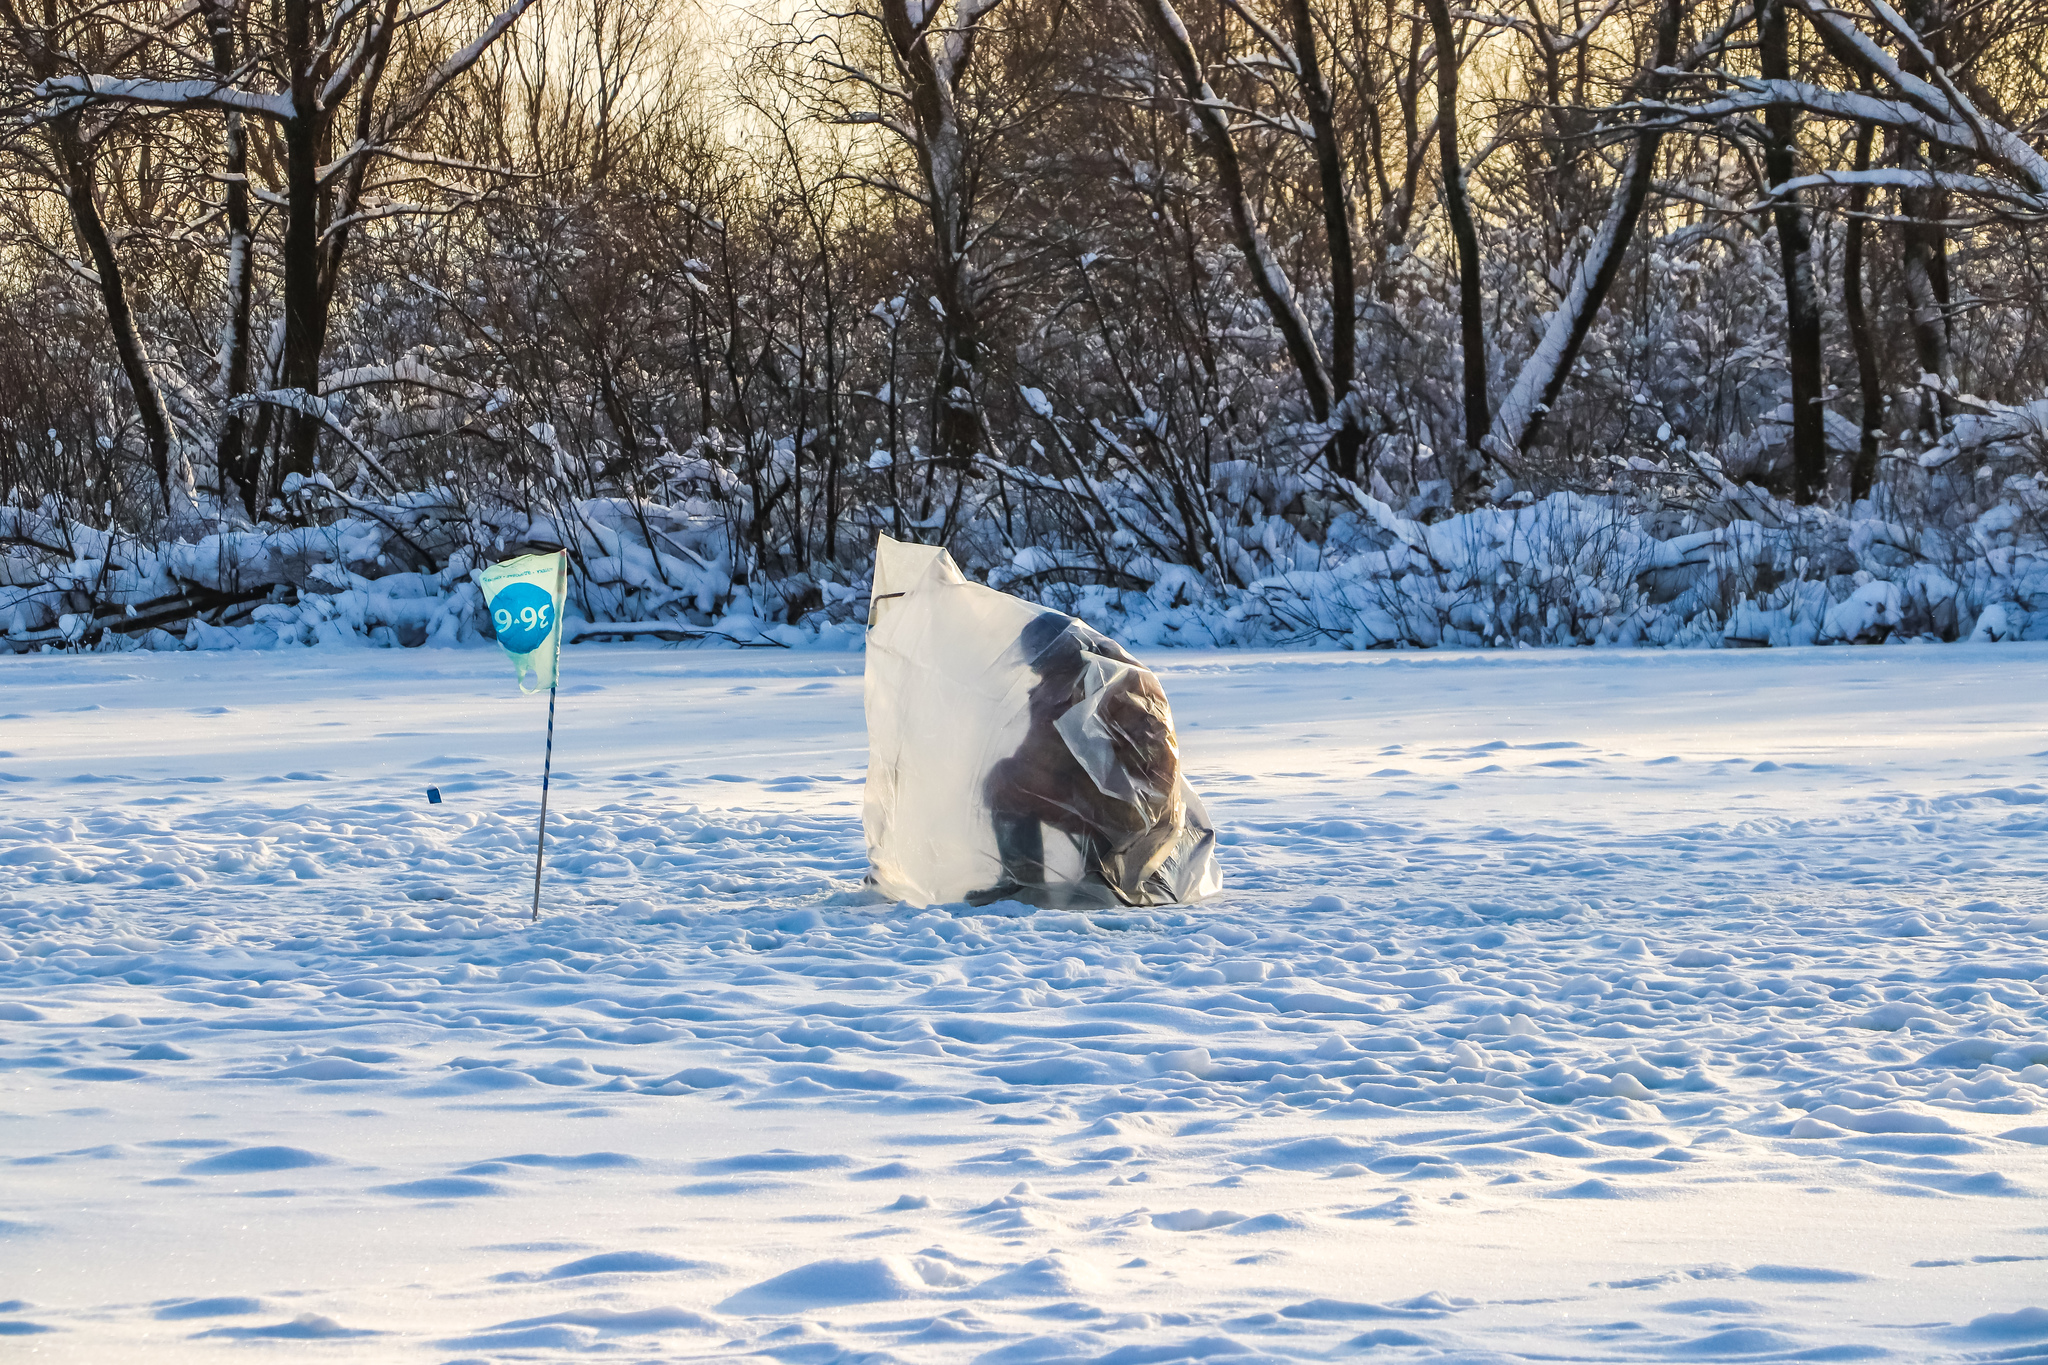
(547, 767)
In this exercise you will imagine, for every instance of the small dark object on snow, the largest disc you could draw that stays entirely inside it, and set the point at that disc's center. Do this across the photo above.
(433, 796)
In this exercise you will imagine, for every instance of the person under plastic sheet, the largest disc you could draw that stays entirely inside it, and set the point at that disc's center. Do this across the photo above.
(1122, 807)
(992, 721)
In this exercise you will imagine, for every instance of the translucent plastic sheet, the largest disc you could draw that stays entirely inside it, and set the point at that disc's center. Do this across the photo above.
(1016, 754)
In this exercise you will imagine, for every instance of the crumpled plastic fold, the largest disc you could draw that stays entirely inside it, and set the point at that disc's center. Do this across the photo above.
(1014, 753)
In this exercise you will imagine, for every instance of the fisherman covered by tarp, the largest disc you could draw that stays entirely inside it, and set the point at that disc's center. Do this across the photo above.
(1017, 754)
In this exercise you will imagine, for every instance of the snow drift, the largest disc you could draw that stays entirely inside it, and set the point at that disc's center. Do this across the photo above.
(1301, 566)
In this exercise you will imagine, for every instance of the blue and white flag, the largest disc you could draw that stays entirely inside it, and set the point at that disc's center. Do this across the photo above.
(525, 598)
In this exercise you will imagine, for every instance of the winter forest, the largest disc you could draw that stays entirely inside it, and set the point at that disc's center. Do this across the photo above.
(1338, 322)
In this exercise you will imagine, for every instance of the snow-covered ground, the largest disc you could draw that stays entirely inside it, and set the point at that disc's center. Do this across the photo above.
(1566, 1005)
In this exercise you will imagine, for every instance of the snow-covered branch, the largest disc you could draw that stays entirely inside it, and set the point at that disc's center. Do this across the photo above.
(1910, 178)
(405, 371)
(421, 95)
(71, 92)
(1988, 143)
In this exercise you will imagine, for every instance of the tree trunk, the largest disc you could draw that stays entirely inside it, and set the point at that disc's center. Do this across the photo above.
(302, 311)
(235, 456)
(1924, 265)
(76, 159)
(1795, 256)
(1397, 208)
(1471, 301)
(931, 58)
(1268, 279)
(337, 230)
(956, 429)
(1543, 376)
(831, 442)
(1315, 93)
(1924, 262)
(1863, 473)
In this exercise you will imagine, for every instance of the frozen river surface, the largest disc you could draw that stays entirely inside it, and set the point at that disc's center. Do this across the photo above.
(1565, 1006)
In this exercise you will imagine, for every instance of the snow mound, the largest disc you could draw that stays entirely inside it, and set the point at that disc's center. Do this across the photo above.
(824, 1284)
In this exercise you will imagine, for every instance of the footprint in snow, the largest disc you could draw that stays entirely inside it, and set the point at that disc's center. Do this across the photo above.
(305, 1327)
(611, 1263)
(443, 1187)
(1431, 1305)
(2024, 1324)
(577, 1330)
(774, 1161)
(252, 1160)
(1801, 1274)
(1713, 1306)
(1745, 1341)
(177, 1310)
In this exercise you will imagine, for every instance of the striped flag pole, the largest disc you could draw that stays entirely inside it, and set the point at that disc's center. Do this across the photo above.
(540, 853)
(525, 597)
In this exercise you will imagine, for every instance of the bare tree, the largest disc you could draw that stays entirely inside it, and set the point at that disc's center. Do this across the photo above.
(1325, 383)
(68, 158)
(1542, 377)
(1795, 256)
(1457, 208)
(338, 125)
(1856, 316)
(931, 49)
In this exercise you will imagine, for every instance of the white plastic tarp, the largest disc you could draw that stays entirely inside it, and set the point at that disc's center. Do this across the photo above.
(1016, 754)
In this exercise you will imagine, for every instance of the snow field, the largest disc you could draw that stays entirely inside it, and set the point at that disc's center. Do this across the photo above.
(1595, 1006)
